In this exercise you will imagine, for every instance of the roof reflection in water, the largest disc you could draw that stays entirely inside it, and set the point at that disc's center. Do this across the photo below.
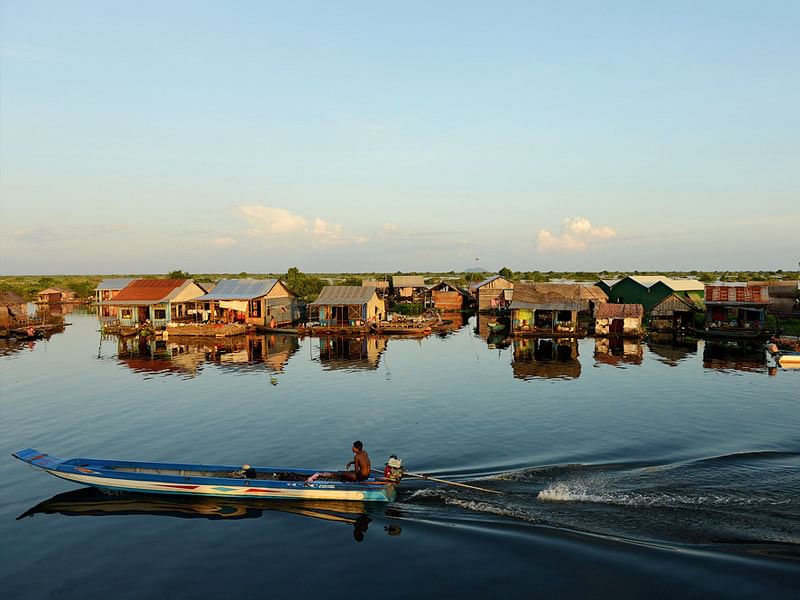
(617, 351)
(351, 353)
(671, 349)
(734, 356)
(186, 357)
(90, 502)
(546, 358)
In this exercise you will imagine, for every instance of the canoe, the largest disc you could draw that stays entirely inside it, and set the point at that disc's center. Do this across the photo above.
(789, 360)
(210, 480)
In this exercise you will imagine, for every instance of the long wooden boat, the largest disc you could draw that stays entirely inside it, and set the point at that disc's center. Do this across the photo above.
(210, 480)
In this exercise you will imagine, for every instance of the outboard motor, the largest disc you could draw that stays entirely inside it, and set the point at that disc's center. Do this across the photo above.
(394, 469)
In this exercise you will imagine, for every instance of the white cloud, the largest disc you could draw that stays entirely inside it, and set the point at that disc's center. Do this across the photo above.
(577, 234)
(268, 219)
(224, 241)
(389, 227)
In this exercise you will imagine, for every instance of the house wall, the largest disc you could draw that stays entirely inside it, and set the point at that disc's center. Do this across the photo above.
(630, 326)
(447, 300)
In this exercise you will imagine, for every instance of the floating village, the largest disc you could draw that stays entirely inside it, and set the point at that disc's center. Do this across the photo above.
(175, 324)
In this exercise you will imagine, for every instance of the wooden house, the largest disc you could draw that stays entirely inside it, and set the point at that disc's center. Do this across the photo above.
(492, 293)
(13, 309)
(619, 320)
(347, 306)
(675, 313)
(649, 290)
(589, 296)
(159, 301)
(381, 285)
(448, 297)
(56, 295)
(265, 303)
(539, 311)
(106, 290)
(736, 309)
(408, 287)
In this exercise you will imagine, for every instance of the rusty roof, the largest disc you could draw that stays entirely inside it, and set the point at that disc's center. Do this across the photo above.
(148, 290)
(620, 311)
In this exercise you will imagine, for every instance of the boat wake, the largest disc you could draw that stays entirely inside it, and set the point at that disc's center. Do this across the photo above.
(748, 499)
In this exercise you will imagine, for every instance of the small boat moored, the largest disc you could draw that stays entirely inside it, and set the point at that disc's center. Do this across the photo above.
(217, 480)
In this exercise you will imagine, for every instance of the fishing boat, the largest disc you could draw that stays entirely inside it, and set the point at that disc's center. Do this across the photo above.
(217, 480)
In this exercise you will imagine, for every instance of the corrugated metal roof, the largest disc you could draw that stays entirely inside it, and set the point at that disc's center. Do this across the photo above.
(114, 283)
(240, 289)
(148, 290)
(408, 281)
(344, 294)
(735, 293)
(620, 311)
(678, 285)
(487, 280)
(376, 283)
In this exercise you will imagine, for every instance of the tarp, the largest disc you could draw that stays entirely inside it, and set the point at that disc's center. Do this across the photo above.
(239, 305)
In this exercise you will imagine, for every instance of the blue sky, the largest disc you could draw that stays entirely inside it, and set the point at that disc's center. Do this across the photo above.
(361, 136)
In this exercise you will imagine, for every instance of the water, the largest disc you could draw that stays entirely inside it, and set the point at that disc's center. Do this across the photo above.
(665, 468)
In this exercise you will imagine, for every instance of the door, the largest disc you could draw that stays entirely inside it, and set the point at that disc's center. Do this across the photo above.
(616, 326)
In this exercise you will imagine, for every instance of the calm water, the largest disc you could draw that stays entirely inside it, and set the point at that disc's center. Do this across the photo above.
(659, 469)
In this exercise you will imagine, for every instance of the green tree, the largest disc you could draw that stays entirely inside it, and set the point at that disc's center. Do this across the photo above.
(178, 274)
(507, 273)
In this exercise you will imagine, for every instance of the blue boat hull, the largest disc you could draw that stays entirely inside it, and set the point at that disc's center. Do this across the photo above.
(223, 481)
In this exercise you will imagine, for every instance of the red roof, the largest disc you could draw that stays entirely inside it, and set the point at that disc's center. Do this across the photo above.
(148, 289)
(619, 311)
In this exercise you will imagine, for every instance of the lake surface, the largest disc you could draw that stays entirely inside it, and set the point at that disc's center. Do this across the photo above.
(657, 469)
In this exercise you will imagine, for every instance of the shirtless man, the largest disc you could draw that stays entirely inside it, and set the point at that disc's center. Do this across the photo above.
(360, 464)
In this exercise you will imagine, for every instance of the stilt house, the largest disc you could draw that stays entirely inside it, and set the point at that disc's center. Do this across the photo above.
(106, 290)
(159, 301)
(259, 302)
(492, 293)
(736, 308)
(347, 306)
(619, 320)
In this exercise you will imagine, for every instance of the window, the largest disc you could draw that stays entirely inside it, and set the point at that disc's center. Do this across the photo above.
(125, 313)
(255, 308)
(159, 314)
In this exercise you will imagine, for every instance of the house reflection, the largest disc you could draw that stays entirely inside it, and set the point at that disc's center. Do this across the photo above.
(617, 351)
(546, 358)
(187, 355)
(671, 349)
(88, 502)
(351, 353)
(734, 356)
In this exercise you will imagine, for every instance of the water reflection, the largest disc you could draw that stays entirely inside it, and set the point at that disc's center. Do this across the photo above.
(617, 351)
(734, 356)
(187, 356)
(671, 349)
(546, 358)
(89, 502)
(351, 353)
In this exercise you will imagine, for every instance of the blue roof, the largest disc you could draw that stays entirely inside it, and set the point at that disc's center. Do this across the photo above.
(240, 289)
(114, 284)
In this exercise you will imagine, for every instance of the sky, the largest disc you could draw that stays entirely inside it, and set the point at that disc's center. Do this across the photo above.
(227, 137)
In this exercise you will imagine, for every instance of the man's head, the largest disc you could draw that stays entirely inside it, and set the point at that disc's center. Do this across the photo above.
(357, 446)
